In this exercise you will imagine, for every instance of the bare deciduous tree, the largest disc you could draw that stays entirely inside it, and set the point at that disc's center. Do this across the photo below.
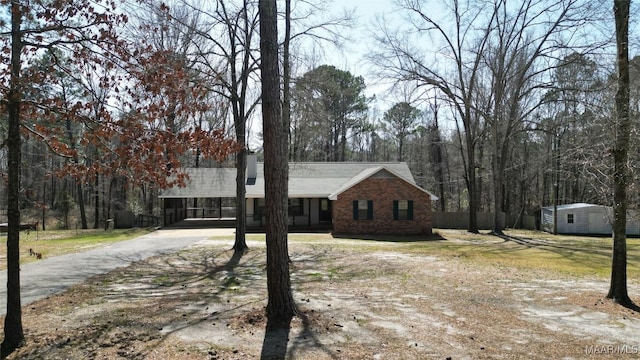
(458, 81)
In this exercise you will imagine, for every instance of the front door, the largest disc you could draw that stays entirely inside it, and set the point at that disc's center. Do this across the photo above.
(325, 210)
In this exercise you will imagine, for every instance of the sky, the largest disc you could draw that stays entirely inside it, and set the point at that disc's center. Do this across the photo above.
(353, 57)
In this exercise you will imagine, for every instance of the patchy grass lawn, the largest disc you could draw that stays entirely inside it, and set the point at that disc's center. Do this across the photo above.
(456, 295)
(58, 242)
(530, 250)
(520, 249)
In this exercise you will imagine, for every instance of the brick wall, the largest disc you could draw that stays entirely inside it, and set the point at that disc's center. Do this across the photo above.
(383, 191)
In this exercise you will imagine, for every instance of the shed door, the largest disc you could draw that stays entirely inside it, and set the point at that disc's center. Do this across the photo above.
(597, 223)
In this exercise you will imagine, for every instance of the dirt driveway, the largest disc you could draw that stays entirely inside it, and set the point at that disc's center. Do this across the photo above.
(55, 274)
(357, 300)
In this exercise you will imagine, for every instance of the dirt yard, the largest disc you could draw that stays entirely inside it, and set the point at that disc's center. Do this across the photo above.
(357, 300)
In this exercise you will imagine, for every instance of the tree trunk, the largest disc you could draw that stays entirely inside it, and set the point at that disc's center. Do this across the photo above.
(471, 186)
(238, 97)
(13, 332)
(618, 289)
(437, 160)
(152, 194)
(66, 203)
(498, 162)
(280, 306)
(106, 211)
(53, 187)
(343, 140)
(197, 165)
(497, 200)
(198, 150)
(286, 75)
(44, 206)
(83, 213)
(96, 205)
(556, 184)
(240, 244)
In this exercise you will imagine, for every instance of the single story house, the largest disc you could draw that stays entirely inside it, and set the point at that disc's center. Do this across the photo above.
(348, 197)
(582, 218)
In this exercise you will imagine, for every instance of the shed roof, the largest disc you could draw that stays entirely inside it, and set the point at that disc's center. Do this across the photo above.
(308, 179)
(575, 206)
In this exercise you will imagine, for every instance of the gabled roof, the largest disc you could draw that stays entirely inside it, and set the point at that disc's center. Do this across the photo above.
(367, 173)
(364, 174)
(309, 179)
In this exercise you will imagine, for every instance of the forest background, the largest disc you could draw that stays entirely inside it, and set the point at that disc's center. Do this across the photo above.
(493, 105)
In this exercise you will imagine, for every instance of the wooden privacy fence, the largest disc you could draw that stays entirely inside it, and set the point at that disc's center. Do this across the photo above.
(460, 220)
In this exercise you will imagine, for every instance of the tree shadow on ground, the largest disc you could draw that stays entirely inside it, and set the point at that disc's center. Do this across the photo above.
(159, 288)
(278, 341)
(235, 260)
(630, 305)
(308, 337)
(276, 338)
(565, 251)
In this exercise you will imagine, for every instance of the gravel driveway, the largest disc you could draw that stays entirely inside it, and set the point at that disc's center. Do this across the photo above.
(53, 275)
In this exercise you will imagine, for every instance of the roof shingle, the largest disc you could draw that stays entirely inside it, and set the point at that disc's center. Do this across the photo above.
(309, 179)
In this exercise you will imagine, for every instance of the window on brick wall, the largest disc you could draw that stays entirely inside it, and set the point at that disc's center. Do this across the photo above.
(363, 210)
(402, 209)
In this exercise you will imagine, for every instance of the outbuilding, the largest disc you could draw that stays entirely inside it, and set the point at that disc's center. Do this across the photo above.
(584, 218)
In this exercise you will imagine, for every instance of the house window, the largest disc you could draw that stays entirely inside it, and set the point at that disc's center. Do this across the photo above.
(295, 207)
(324, 205)
(403, 210)
(363, 210)
(569, 218)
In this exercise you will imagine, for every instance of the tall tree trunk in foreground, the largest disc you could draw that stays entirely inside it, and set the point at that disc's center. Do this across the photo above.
(280, 307)
(618, 290)
(13, 332)
(286, 76)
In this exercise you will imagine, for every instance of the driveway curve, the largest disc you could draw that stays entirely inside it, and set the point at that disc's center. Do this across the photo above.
(53, 275)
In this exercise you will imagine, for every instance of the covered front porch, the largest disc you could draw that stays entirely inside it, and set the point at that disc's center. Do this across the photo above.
(305, 214)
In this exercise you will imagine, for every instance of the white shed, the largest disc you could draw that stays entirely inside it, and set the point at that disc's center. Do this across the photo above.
(582, 218)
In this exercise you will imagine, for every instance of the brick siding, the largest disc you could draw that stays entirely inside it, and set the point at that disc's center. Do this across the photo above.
(382, 191)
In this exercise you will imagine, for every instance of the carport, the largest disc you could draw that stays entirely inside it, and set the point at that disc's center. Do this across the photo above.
(210, 195)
